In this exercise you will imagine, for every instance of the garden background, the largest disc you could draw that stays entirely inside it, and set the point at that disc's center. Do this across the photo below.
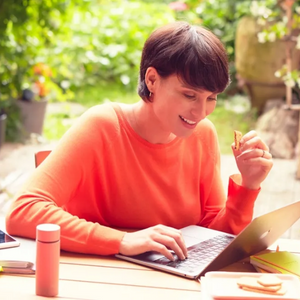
(73, 54)
(88, 52)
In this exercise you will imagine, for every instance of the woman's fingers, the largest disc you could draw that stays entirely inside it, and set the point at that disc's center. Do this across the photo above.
(253, 159)
(162, 239)
(263, 153)
(249, 135)
(255, 155)
(177, 239)
(255, 142)
(252, 146)
(171, 244)
(251, 140)
(160, 248)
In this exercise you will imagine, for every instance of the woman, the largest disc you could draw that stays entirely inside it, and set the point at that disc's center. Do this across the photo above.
(152, 166)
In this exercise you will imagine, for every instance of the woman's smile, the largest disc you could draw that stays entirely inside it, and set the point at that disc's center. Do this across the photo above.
(188, 123)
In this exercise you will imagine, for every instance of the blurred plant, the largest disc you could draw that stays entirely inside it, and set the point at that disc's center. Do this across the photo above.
(280, 20)
(41, 76)
(271, 18)
(103, 44)
(184, 10)
(87, 42)
(26, 28)
(13, 123)
(178, 6)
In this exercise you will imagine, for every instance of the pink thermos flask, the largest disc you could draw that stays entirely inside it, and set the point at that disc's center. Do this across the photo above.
(47, 259)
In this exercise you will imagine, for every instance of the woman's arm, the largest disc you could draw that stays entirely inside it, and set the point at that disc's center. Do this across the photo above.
(53, 185)
(231, 214)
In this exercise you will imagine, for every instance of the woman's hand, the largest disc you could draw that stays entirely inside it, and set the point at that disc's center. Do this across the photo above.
(253, 160)
(158, 238)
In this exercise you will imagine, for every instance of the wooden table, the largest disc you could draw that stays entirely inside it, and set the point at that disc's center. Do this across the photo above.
(93, 277)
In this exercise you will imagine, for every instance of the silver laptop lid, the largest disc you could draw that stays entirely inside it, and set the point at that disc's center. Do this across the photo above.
(261, 233)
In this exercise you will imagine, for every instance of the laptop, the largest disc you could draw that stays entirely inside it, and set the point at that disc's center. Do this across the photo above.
(211, 250)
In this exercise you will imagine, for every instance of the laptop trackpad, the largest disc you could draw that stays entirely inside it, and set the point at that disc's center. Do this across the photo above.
(148, 256)
(190, 241)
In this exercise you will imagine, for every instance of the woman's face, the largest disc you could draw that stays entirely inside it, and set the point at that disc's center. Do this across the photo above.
(178, 107)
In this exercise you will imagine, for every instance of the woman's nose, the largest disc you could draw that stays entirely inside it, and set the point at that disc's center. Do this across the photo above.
(199, 111)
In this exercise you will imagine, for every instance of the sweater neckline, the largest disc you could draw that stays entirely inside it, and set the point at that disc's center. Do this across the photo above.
(125, 124)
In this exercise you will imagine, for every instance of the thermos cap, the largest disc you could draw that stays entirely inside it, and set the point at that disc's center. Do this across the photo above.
(48, 232)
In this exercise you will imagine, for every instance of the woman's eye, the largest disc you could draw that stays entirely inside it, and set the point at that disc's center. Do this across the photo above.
(189, 96)
(212, 99)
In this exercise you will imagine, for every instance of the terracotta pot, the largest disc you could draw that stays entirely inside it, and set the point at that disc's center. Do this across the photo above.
(256, 63)
(2, 129)
(33, 115)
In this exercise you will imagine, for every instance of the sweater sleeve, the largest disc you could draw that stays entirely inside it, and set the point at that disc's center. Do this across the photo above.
(53, 184)
(230, 215)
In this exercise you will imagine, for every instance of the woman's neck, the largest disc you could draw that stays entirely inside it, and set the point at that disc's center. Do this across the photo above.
(144, 122)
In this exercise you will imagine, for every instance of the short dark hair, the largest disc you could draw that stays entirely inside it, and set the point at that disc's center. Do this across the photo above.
(194, 53)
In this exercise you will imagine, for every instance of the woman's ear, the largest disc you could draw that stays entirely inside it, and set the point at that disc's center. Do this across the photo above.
(151, 78)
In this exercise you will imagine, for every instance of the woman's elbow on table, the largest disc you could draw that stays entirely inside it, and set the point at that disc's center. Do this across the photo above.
(21, 217)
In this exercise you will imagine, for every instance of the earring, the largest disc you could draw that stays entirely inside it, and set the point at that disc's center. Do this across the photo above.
(150, 94)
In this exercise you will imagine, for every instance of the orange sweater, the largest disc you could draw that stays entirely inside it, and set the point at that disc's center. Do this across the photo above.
(103, 176)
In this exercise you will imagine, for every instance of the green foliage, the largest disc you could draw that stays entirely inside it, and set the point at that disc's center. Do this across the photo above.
(26, 28)
(82, 42)
(226, 121)
(13, 124)
(273, 18)
(93, 95)
(103, 44)
(221, 17)
(56, 125)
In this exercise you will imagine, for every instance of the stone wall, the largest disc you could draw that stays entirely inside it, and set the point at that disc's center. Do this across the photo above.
(279, 127)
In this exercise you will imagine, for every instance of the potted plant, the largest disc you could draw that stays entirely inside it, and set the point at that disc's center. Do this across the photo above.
(33, 101)
(261, 51)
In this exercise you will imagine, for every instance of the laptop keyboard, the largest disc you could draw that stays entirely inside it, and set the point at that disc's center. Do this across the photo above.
(199, 255)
